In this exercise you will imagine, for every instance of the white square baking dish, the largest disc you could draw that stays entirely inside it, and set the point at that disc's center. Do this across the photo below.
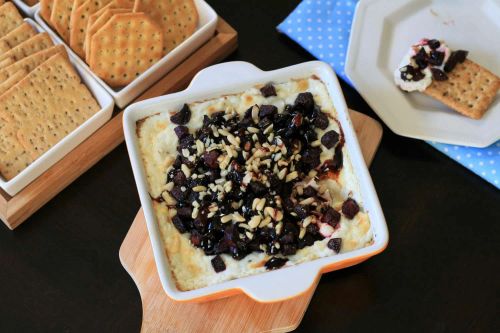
(234, 77)
(63, 147)
(27, 10)
(124, 95)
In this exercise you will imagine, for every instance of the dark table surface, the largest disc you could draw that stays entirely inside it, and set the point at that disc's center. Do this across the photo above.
(60, 270)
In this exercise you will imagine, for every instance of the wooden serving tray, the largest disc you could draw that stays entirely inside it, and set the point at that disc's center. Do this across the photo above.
(233, 314)
(15, 210)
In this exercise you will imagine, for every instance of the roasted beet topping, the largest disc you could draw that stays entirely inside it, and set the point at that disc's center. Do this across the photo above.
(436, 58)
(182, 117)
(455, 58)
(275, 263)
(350, 208)
(433, 43)
(335, 244)
(268, 90)
(243, 184)
(181, 131)
(218, 264)
(421, 58)
(438, 75)
(330, 139)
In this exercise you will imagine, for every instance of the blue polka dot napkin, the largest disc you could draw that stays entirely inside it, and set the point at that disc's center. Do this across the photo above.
(323, 27)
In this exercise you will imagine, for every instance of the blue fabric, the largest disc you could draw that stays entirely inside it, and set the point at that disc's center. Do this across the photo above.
(323, 27)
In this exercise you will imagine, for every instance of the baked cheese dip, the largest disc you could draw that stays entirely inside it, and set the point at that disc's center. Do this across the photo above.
(252, 182)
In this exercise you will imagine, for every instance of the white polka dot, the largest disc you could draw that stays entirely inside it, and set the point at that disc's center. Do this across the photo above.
(493, 171)
(289, 21)
(459, 158)
(483, 173)
(320, 37)
(299, 38)
(468, 155)
(455, 147)
(320, 46)
(309, 20)
(339, 21)
(299, 20)
(289, 30)
(308, 11)
(309, 29)
(479, 154)
(321, 55)
(481, 163)
(309, 37)
(492, 162)
(341, 46)
(471, 165)
(330, 37)
(446, 149)
(339, 29)
(340, 37)
(318, 20)
(319, 29)
(341, 63)
(299, 29)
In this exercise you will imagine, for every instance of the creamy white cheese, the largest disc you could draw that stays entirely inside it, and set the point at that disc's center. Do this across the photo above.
(190, 266)
(426, 81)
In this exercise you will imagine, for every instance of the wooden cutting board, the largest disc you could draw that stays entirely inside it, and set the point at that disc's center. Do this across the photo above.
(233, 314)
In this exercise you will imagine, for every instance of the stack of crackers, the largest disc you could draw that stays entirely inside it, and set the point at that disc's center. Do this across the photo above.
(120, 39)
(42, 98)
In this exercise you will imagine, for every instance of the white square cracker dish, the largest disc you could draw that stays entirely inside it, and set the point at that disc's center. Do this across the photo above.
(124, 95)
(63, 147)
(231, 78)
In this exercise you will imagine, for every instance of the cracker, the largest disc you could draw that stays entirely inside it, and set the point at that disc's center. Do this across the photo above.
(6, 62)
(31, 62)
(31, 46)
(46, 9)
(15, 37)
(114, 4)
(9, 18)
(101, 21)
(13, 156)
(58, 102)
(78, 25)
(178, 19)
(469, 90)
(125, 47)
(59, 17)
(11, 81)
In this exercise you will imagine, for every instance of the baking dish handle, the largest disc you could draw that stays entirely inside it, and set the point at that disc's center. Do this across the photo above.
(227, 73)
(277, 286)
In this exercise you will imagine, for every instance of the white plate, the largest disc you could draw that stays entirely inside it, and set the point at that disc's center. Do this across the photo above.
(68, 143)
(234, 77)
(27, 10)
(123, 96)
(382, 32)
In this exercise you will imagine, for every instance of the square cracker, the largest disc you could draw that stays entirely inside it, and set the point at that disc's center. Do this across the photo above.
(13, 157)
(78, 24)
(12, 80)
(126, 46)
(15, 37)
(178, 19)
(31, 62)
(9, 18)
(101, 21)
(469, 90)
(44, 107)
(46, 10)
(6, 62)
(60, 16)
(33, 45)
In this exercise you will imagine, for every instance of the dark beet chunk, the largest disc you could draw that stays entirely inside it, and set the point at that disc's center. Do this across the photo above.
(438, 75)
(181, 131)
(288, 238)
(267, 111)
(268, 90)
(218, 264)
(182, 117)
(180, 178)
(338, 159)
(310, 191)
(210, 159)
(184, 212)
(433, 43)
(195, 238)
(350, 208)
(257, 188)
(177, 193)
(330, 139)
(321, 120)
(289, 249)
(335, 244)
(454, 59)
(305, 101)
(331, 216)
(436, 58)
(301, 211)
(313, 229)
(275, 263)
(308, 240)
(421, 58)
(177, 221)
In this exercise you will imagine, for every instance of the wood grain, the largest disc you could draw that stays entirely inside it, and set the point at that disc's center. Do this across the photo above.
(15, 210)
(234, 314)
